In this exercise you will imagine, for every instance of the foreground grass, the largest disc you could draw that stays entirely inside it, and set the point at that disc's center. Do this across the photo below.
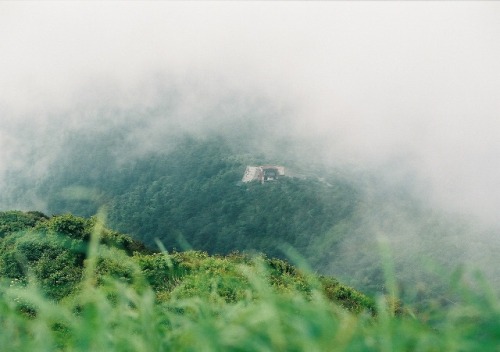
(189, 301)
(118, 317)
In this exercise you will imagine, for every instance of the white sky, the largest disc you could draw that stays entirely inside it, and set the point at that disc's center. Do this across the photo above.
(375, 78)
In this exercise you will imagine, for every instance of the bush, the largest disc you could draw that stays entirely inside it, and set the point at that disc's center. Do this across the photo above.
(14, 221)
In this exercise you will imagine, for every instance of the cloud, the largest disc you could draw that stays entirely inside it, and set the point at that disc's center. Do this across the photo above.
(367, 82)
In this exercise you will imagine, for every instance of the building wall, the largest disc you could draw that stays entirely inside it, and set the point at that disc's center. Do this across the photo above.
(256, 173)
(252, 173)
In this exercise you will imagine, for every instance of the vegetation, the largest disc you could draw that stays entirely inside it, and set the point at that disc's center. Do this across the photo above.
(193, 192)
(70, 284)
(189, 195)
(53, 252)
(14, 221)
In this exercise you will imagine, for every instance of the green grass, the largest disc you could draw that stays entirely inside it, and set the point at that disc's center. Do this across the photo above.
(190, 301)
(118, 317)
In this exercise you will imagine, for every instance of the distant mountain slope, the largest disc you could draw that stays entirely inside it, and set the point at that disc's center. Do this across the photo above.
(195, 196)
(192, 194)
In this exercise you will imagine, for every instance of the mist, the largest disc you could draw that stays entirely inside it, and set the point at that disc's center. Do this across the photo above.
(407, 90)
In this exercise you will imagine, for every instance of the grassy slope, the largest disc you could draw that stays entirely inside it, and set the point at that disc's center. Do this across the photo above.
(118, 296)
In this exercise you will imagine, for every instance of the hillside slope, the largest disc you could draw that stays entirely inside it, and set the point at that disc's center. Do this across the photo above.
(55, 251)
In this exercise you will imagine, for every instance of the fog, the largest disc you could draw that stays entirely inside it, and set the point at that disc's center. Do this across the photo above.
(411, 88)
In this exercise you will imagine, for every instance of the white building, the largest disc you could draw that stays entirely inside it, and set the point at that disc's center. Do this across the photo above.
(263, 173)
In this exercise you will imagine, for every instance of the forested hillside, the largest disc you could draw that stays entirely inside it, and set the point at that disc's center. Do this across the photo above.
(193, 195)
(190, 195)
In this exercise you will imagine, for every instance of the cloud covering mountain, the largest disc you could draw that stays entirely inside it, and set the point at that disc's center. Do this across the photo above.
(395, 86)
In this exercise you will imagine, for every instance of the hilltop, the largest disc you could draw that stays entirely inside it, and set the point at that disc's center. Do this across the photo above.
(54, 252)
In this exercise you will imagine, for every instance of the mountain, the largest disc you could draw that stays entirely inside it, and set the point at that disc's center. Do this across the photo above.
(189, 195)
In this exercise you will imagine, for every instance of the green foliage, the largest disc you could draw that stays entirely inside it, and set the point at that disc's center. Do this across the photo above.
(116, 316)
(189, 301)
(14, 221)
(50, 259)
(53, 252)
(159, 271)
(187, 194)
(67, 225)
(193, 194)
